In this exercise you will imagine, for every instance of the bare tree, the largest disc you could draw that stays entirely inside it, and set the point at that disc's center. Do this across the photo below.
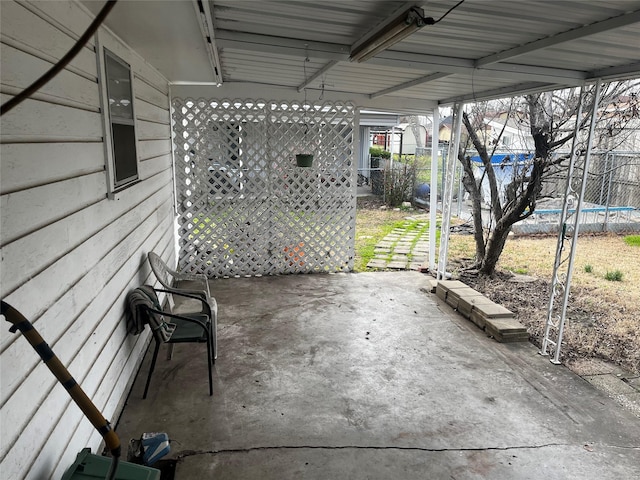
(551, 118)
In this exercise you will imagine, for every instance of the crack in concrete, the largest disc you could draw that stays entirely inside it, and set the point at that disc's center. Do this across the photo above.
(190, 453)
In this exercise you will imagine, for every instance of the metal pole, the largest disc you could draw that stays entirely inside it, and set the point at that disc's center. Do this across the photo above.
(611, 166)
(556, 280)
(433, 194)
(574, 243)
(447, 196)
(460, 189)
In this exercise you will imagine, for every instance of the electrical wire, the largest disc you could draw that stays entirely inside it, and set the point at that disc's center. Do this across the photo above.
(62, 63)
(430, 20)
(449, 11)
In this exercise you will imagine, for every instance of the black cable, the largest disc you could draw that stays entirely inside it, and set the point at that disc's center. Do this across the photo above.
(430, 20)
(113, 468)
(450, 10)
(63, 62)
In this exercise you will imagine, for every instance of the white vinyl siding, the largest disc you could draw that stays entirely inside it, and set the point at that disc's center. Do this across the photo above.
(69, 254)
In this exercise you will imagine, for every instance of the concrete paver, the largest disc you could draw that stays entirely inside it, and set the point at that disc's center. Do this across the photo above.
(406, 242)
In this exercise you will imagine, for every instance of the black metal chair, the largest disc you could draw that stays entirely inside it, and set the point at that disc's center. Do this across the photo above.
(170, 279)
(172, 328)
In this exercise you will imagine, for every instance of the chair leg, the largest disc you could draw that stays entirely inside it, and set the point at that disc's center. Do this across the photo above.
(151, 368)
(215, 337)
(170, 351)
(210, 363)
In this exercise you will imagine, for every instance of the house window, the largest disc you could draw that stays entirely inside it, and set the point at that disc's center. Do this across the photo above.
(123, 161)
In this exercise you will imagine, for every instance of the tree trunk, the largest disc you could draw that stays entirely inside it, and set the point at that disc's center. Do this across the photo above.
(471, 186)
(496, 242)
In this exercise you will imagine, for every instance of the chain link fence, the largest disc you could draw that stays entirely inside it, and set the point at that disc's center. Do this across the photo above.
(611, 201)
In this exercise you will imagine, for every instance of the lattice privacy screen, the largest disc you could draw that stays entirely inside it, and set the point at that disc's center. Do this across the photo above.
(244, 206)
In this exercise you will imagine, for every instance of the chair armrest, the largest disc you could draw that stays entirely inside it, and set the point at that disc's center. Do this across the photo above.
(197, 295)
(193, 277)
(180, 317)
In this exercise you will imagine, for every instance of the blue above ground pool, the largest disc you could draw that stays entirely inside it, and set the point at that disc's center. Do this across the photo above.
(506, 159)
(505, 166)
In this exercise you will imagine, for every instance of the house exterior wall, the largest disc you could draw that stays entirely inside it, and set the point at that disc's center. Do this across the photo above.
(70, 254)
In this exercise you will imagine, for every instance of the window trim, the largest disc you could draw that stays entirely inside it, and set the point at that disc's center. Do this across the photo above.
(114, 185)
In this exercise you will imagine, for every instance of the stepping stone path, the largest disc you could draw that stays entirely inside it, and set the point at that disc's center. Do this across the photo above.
(403, 249)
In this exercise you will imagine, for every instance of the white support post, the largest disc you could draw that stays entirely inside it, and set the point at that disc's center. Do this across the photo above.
(433, 195)
(391, 149)
(561, 281)
(447, 195)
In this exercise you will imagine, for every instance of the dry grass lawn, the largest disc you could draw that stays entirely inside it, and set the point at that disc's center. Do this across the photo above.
(603, 318)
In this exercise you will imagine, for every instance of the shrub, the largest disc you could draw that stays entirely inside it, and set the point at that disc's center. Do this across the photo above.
(588, 268)
(398, 183)
(615, 276)
(379, 152)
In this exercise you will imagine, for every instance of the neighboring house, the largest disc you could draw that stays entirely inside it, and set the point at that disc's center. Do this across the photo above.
(74, 237)
(445, 130)
(508, 135)
(409, 141)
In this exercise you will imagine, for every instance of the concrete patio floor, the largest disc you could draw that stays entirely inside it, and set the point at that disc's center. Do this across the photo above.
(367, 376)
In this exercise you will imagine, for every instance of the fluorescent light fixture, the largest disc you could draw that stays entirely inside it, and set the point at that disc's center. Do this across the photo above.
(394, 31)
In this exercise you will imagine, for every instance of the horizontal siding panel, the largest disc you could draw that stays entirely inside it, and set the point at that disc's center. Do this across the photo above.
(60, 317)
(65, 15)
(154, 166)
(25, 28)
(27, 210)
(150, 75)
(19, 70)
(40, 121)
(64, 269)
(108, 332)
(150, 94)
(153, 148)
(28, 165)
(148, 111)
(152, 131)
(124, 362)
(81, 338)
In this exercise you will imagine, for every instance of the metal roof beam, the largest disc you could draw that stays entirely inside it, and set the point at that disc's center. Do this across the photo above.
(520, 89)
(411, 83)
(576, 33)
(631, 70)
(324, 69)
(281, 45)
(413, 61)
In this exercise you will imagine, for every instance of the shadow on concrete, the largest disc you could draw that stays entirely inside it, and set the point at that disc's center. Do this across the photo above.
(367, 376)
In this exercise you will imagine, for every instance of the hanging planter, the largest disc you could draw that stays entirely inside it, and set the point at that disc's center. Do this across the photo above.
(304, 159)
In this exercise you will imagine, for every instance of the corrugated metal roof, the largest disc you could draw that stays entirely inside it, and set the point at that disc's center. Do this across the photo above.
(482, 49)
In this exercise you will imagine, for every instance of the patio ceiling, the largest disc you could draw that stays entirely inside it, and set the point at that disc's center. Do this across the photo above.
(480, 50)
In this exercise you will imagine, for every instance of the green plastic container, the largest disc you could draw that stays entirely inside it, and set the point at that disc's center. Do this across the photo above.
(90, 467)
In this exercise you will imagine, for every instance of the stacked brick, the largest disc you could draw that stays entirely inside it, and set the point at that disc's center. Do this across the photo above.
(494, 319)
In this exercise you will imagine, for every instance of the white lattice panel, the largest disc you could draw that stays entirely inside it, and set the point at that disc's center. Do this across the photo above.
(244, 206)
